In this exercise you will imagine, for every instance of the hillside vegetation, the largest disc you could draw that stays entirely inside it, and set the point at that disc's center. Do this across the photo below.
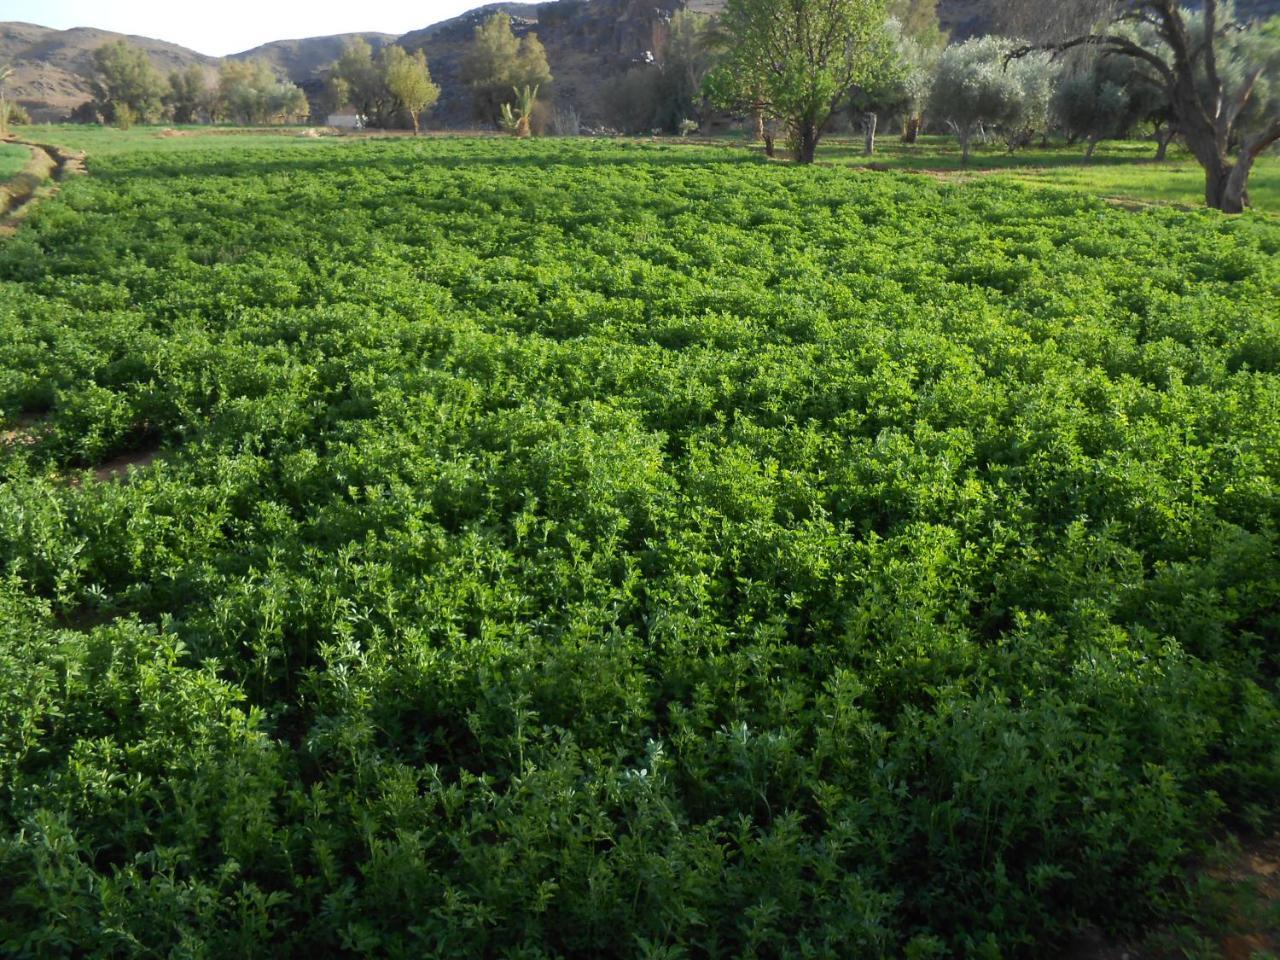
(595, 549)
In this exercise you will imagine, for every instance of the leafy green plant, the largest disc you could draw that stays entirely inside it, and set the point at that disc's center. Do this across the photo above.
(585, 548)
(516, 120)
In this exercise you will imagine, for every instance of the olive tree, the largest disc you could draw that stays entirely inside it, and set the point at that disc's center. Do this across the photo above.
(250, 92)
(1219, 73)
(388, 89)
(976, 88)
(799, 60)
(188, 94)
(1105, 99)
(357, 80)
(900, 90)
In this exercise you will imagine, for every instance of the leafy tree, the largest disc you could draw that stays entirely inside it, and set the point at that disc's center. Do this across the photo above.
(497, 63)
(409, 81)
(532, 67)
(899, 90)
(1221, 76)
(1106, 99)
(188, 94)
(974, 90)
(391, 89)
(126, 87)
(357, 80)
(249, 92)
(919, 21)
(799, 60)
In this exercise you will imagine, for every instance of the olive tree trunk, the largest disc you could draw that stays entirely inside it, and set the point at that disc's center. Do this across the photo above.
(806, 136)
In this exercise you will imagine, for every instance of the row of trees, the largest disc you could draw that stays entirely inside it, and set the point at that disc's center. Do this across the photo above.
(392, 88)
(1097, 68)
(128, 89)
(1093, 68)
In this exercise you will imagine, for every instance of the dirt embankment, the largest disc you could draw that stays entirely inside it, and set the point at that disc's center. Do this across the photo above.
(19, 190)
(48, 164)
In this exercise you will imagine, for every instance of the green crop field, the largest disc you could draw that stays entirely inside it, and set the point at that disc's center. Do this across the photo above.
(13, 157)
(593, 549)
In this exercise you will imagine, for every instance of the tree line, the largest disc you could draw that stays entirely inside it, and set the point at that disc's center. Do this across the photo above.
(127, 89)
(1092, 70)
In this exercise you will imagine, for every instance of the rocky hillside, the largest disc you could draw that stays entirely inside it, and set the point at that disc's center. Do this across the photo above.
(587, 42)
(51, 68)
(309, 59)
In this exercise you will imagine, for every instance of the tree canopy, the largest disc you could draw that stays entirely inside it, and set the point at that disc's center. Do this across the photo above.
(188, 95)
(799, 60)
(409, 81)
(497, 63)
(392, 88)
(976, 88)
(250, 92)
(126, 86)
(1221, 76)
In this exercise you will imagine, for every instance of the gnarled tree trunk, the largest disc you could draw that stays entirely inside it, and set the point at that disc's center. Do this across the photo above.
(806, 136)
(869, 124)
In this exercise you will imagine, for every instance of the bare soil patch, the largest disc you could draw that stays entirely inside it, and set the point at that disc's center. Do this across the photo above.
(121, 467)
(26, 431)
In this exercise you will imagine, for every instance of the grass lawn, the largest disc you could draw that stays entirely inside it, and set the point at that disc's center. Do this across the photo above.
(1119, 169)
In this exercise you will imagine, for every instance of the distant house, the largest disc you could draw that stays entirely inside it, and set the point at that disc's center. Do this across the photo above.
(346, 119)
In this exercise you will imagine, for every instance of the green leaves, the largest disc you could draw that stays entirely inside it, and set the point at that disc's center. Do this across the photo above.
(798, 60)
(591, 549)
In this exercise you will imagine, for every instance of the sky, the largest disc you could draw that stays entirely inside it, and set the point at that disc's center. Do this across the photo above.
(229, 26)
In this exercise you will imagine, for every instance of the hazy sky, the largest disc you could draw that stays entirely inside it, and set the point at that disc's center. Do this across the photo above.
(229, 26)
